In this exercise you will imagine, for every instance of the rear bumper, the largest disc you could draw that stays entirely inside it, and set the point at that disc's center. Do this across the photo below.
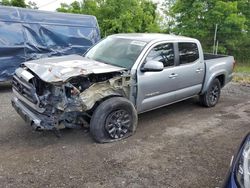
(36, 120)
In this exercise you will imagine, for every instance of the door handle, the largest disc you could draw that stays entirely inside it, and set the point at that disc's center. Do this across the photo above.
(199, 70)
(173, 75)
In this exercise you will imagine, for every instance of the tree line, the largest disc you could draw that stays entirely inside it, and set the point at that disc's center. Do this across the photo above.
(229, 19)
(19, 3)
(198, 18)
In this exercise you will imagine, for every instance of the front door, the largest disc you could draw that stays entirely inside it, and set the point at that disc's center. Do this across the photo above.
(156, 89)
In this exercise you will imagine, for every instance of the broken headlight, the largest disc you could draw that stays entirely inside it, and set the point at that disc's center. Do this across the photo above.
(242, 170)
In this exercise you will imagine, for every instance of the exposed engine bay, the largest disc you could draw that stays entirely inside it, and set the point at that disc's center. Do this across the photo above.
(65, 104)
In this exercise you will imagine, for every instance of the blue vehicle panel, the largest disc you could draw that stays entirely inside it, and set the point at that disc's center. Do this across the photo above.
(28, 34)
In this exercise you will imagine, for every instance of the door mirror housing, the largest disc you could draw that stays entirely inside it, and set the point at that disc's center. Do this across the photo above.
(152, 66)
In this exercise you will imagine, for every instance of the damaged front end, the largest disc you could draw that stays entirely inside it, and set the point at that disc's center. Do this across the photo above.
(65, 104)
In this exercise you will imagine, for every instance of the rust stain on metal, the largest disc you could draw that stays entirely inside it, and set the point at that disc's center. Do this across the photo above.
(83, 71)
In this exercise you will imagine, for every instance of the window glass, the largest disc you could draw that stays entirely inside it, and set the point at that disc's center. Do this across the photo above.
(116, 51)
(188, 52)
(163, 53)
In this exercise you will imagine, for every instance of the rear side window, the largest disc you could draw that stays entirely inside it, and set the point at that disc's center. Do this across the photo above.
(163, 53)
(188, 52)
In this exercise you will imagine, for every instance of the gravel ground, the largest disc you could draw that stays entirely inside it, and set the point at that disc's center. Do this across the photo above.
(182, 145)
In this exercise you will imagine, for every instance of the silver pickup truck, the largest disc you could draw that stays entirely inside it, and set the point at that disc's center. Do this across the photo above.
(121, 76)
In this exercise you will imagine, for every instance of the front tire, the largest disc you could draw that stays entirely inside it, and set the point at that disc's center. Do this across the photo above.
(113, 120)
(211, 97)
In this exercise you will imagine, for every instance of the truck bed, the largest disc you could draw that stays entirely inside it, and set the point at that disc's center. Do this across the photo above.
(218, 63)
(208, 56)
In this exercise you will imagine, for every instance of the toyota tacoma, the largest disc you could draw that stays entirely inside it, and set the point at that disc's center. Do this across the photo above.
(118, 78)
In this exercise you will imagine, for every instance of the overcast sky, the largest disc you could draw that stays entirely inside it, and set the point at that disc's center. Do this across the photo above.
(52, 5)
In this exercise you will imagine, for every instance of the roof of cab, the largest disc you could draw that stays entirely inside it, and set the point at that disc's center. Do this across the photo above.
(148, 37)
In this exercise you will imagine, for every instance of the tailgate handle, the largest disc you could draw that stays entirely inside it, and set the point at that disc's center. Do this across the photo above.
(199, 70)
(173, 75)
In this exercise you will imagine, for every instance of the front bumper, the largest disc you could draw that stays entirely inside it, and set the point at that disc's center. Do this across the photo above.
(36, 120)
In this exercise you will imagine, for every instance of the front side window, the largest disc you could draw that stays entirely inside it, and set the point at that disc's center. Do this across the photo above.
(163, 53)
(188, 52)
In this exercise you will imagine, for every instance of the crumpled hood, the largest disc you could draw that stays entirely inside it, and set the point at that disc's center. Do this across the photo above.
(57, 69)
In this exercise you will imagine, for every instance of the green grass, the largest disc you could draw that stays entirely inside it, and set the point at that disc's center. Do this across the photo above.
(242, 68)
(242, 73)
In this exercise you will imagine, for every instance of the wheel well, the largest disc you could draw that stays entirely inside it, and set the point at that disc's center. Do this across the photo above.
(221, 78)
(91, 111)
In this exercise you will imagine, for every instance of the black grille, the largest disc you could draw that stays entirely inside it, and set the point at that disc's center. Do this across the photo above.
(24, 88)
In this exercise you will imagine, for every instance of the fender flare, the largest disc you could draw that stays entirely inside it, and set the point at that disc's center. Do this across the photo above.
(208, 81)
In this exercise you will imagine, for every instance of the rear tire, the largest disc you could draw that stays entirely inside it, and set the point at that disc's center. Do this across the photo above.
(113, 120)
(211, 97)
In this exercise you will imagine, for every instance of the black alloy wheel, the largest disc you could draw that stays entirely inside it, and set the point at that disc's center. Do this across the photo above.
(118, 123)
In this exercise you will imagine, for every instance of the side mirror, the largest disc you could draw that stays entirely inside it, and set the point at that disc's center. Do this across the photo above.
(152, 66)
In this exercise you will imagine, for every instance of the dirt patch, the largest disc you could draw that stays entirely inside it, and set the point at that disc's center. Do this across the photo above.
(242, 78)
(182, 145)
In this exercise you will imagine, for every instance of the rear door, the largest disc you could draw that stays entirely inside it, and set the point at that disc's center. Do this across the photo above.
(190, 70)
